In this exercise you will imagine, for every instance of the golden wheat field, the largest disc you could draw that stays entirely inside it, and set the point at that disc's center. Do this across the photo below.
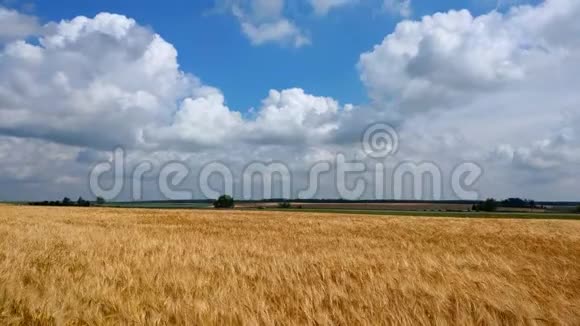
(98, 266)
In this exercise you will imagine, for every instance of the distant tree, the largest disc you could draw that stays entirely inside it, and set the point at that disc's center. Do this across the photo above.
(224, 201)
(66, 201)
(82, 202)
(518, 203)
(285, 205)
(489, 205)
(577, 210)
(101, 201)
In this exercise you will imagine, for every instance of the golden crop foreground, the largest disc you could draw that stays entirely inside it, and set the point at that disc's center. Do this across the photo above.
(123, 266)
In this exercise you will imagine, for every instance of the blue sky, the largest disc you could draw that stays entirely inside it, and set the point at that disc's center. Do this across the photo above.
(211, 45)
(491, 83)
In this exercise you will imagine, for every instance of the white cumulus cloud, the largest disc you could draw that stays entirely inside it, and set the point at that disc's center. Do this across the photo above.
(497, 88)
(322, 7)
(400, 7)
(263, 21)
(15, 25)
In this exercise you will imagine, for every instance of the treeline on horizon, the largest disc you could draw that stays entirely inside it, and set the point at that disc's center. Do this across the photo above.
(507, 203)
(492, 205)
(68, 202)
(488, 205)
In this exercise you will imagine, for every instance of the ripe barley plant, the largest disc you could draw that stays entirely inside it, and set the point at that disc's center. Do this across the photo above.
(100, 266)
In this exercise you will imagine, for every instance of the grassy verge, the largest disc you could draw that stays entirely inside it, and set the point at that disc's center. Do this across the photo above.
(501, 215)
(159, 205)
